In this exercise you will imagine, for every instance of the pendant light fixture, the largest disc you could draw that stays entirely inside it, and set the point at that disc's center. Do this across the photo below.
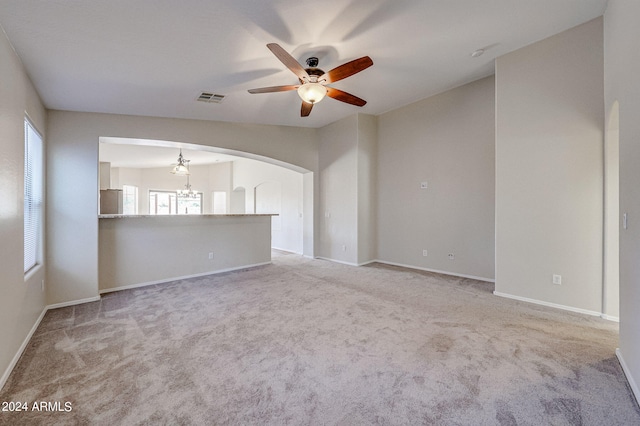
(182, 168)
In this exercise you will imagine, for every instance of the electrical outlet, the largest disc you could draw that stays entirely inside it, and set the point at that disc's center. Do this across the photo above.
(557, 279)
(210, 255)
(424, 185)
(425, 253)
(451, 256)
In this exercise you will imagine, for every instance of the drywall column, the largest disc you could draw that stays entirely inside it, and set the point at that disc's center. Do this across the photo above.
(338, 161)
(347, 157)
(549, 170)
(622, 68)
(22, 299)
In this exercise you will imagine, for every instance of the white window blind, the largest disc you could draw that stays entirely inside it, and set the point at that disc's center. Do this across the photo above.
(33, 194)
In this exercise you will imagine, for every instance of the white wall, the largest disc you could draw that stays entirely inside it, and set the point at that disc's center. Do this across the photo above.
(622, 68)
(135, 251)
(367, 187)
(287, 230)
(21, 301)
(347, 216)
(220, 179)
(611, 264)
(338, 213)
(549, 169)
(447, 141)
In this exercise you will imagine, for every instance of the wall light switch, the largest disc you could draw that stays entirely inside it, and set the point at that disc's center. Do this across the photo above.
(424, 185)
(624, 221)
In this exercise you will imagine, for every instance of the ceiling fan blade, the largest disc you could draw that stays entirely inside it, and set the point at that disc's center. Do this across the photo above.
(346, 70)
(273, 89)
(306, 109)
(288, 60)
(345, 97)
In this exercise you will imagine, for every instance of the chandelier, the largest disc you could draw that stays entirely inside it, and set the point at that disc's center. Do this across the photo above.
(187, 192)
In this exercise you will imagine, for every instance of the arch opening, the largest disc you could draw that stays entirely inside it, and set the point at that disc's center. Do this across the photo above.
(135, 162)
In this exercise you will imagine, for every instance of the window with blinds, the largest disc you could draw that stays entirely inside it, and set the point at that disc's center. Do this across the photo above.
(33, 195)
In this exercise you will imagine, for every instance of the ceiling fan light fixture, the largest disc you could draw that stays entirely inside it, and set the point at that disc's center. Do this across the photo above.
(312, 92)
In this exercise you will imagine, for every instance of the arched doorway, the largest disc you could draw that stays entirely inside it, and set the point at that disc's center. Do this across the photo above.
(246, 176)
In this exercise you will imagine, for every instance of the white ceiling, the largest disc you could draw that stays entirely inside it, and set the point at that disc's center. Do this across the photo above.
(140, 153)
(154, 57)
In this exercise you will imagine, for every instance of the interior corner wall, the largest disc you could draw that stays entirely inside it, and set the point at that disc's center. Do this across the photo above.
(448, 142)
(367, 187)
(338, 164)
(22, 300)
(622, 68)
(549, 169)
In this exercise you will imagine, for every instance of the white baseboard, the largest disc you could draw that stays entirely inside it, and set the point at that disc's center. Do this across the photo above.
(627, 373)
(72, 303)
(16, 358)
(610, 318)
(183, 277)
(436, 271)
(285, 250)
(337, 261)
(23, 346)
(549, 304)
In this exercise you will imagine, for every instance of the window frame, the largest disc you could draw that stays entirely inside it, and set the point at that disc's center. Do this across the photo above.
(175, 197)
(34, 199)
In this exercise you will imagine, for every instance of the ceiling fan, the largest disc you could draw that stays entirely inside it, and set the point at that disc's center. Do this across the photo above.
(313, 81)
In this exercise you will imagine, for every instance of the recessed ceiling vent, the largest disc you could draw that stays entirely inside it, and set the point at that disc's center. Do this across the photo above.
(210, 97)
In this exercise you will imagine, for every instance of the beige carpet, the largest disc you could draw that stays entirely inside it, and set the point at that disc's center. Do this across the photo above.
(313, 342)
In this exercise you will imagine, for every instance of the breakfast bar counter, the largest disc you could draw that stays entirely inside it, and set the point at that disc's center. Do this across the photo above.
(137, 250)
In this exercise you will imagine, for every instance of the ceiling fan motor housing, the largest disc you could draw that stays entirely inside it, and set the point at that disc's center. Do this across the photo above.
(313, 69)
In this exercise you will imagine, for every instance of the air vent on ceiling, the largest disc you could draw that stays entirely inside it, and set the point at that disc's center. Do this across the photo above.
(210, 97)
